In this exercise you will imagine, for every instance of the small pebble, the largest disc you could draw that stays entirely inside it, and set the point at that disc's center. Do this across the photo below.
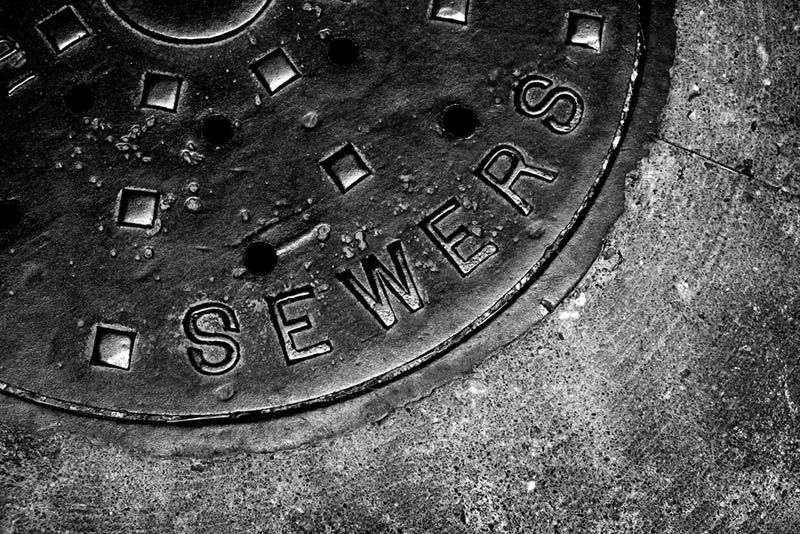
(193, 204)
(224, 393)
(310, 120)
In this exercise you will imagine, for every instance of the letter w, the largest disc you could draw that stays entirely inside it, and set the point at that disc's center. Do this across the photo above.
(382, 281)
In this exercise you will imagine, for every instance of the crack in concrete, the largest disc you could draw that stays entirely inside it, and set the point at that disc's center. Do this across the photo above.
(783, 191)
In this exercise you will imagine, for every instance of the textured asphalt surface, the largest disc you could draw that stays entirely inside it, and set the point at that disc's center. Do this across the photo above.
(663, 396)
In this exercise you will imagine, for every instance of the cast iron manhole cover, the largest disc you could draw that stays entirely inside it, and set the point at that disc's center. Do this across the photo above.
(220, 210)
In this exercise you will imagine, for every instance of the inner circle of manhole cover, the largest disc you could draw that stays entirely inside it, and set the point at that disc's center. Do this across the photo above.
(189, 21)
(331, 199)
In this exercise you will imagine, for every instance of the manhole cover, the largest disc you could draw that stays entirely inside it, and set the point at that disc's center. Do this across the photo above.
(220, 211)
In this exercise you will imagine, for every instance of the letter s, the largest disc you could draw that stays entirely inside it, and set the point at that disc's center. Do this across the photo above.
(546, 104)
(221, 341)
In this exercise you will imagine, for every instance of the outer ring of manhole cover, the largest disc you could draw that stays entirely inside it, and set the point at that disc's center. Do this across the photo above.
(279, 229)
